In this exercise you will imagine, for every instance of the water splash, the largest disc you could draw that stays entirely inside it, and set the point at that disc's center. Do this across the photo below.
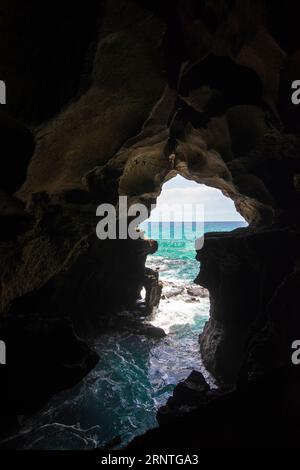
(135, 374)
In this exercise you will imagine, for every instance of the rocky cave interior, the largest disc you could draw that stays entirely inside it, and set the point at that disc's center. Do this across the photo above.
(98, 99)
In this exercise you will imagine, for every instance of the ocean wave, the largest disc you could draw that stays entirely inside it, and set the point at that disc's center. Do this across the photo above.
(135, 374)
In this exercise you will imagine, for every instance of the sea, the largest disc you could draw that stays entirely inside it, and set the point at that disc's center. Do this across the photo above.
(135, 374)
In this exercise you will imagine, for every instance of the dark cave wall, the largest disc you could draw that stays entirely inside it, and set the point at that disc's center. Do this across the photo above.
(46, 50)
(97, 102)
(54, 202)
(243, 271)
(56, 276)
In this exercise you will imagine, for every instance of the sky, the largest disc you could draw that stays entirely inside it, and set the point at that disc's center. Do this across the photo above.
(216, 207)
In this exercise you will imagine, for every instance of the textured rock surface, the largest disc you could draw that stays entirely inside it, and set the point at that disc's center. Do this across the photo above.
(44, 357)
(248, 418)
(94, 126)
(242, 271)
(53, 266)
(197, 88)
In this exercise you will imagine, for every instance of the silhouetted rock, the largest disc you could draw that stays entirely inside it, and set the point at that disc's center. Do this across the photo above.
(44, 356)
(137, 93)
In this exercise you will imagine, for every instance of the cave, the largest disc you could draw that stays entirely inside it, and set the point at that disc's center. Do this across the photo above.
(151, 347)
(119, 98)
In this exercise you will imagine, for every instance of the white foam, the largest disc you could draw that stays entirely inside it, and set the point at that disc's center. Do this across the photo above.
(179, 310)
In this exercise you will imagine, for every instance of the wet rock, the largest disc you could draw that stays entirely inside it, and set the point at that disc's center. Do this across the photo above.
(187, 395)
(152, 331)
(197, 291)
(247, 418)
(153, 289)
(144, 329)
(44, 356)
(170, 291)
(191, 299)
(189, 392)
(165, 416)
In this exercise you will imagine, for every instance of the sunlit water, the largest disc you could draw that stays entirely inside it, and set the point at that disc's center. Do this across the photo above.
(135, 374)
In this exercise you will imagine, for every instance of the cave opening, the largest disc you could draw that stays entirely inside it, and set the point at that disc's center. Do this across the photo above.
(138, 373)
(184, 211)
(184, 304)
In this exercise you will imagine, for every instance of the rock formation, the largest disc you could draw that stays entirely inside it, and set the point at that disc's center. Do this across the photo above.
(115, 99)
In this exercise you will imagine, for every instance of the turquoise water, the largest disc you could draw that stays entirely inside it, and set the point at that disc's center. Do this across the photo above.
(135, 374)
(175, 257)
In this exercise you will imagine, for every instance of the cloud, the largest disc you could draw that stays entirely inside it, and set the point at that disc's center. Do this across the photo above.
(215, 205)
